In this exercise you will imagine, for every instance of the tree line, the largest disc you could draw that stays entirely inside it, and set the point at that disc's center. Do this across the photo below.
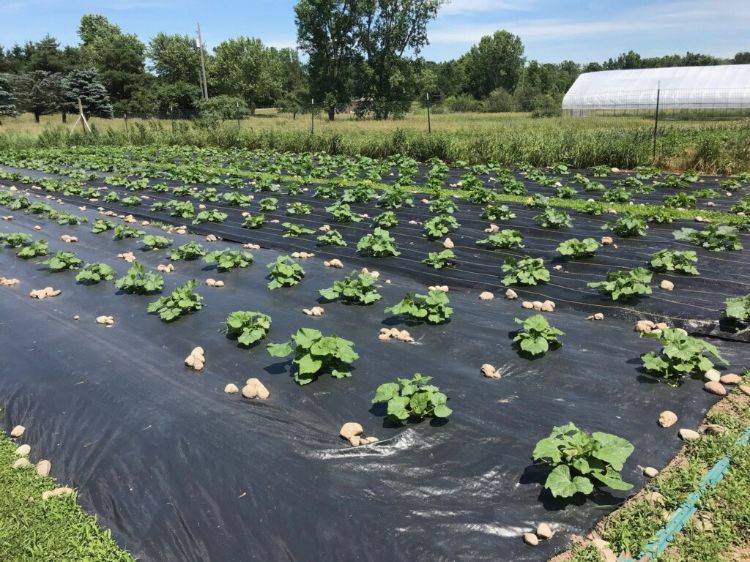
(360, 55)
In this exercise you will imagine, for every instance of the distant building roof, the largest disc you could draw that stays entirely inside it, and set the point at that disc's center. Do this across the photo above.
(682, 87)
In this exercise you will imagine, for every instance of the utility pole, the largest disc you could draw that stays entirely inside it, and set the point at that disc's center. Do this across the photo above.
(312, 116)
(204, 82)
(429, 121)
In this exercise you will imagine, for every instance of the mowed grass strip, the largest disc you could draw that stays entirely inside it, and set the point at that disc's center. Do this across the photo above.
(719, 531)
(56, 529)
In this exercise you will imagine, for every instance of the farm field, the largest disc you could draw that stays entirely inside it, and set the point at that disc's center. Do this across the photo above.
(179, 469)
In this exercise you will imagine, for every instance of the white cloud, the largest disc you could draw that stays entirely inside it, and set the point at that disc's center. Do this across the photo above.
(477, 6)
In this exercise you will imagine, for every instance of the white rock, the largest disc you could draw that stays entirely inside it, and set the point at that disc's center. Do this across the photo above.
(544, 532)
(730, 378)
(448, 243)
(712, 375)
(486, 296)
(351, 429)
(23, 462)
(689, 435)
(666, 285)
(607, 241)
(43, 468)
(17, 431)
(23, 450)
(510, 294)
(715, 387)
(650, 471)
(57, 492)
(231, 388)
(489, 371)
(530, 539)
(667, 418)
(255, 389)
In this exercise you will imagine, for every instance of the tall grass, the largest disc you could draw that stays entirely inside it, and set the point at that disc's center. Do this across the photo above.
(720, 147)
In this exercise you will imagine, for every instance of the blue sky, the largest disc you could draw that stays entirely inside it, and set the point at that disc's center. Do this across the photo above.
(552, 30)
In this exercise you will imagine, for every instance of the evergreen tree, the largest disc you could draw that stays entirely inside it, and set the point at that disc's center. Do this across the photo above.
(85, 84)
(7, 100)
(38, 92)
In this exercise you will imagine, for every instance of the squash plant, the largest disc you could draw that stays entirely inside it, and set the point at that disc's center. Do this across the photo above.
(681, 355)
(33, 250)
(139, 281)
(386, 220)
(537, 335)
(316, 354)
(93, 273)
(553, 218)
(431, 308)
(628, 225)
(331, 238)
(440, 225)
(298, 208)
(497, 213)
(575, 248)
(227, 260)
(210, 215)
(181, 209)
(254, 221)
(188, 251)
(715, 238)
(581, 461)
(524, 271)
(247, 327)
(153, 242)
(293, 230)
(442, 205)
(674, 261)
(413, 399)
(356, 288)
(62, 261)
(16, 239)
(506, 238)
(737, 308)
(122, 231)
(342, 212)
(439, 260)
(624, 284)
(183, 300)
(378, 244)
(284, 273)
(395, 198)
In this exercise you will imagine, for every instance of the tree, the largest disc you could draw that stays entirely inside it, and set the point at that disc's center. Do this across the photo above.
(46, 55)
(243, 67)
(7, 99)
(496, 62)
(85, 84)
(174, 58)
(387, 31)
(38, 92)
(223, 107)
(94, 27)
(742, 58)
(325, 31)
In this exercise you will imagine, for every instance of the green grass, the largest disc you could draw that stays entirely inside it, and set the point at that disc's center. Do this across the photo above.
(32, 529)
(508, 139)
(722, 523)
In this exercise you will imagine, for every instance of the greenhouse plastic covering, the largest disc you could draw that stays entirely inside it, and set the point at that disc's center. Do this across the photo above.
(696, 87)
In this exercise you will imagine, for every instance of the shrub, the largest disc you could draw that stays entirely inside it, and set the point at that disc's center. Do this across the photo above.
(575, 248)
(188, 251)
(284, 273)
(152, 242)
(412, 398)
(580, 461)
(431, 308)
(62, 261)
(526, 271)
(378, 244)
(624, 284)
(537, 335)
(356, 288)
(316, 354)
(714, 238)
(675, 260)
(439, 260)
(93, 273)
(139, 281)
(680, 355)
(227, 260)
(506, 238)
(247, 327)
(183, 300)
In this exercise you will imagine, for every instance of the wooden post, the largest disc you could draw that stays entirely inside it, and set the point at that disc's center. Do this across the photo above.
(656, 121)
(312, 116)
(204, 81)
(429, 120)
(81, 117)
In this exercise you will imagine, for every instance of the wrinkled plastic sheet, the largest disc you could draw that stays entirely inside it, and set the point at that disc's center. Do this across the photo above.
(181, 471)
